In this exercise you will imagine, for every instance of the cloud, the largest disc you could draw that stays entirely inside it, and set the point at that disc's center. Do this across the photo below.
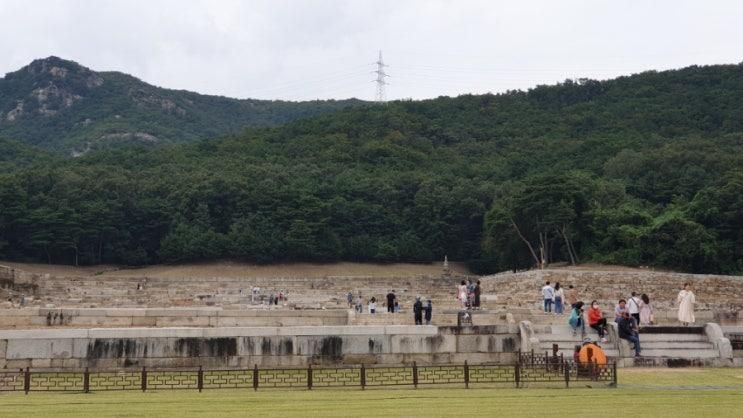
(305, 49)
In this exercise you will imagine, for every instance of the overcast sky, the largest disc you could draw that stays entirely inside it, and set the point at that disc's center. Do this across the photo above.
(307, 49)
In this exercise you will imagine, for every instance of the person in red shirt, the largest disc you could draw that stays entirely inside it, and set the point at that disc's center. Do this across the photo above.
(596, 320)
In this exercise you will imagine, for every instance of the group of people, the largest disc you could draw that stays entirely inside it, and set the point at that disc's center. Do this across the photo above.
(468, 294)
(421, 312)
(629, 314)
(557, 297)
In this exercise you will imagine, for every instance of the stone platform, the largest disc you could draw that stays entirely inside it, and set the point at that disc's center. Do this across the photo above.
(265, 346)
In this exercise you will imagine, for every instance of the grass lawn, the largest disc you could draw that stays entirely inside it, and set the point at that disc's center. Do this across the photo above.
(642, 392)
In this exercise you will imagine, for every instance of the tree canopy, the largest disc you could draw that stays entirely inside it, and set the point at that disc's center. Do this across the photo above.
(641, 170)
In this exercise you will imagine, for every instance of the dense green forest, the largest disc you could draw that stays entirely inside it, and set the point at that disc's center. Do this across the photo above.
(640, 170)
(62, 106)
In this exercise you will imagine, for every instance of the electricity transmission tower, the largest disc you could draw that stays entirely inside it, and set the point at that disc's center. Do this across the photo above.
(380, 97)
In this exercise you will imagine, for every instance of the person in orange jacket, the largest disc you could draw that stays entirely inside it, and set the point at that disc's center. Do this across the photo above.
(596, 320)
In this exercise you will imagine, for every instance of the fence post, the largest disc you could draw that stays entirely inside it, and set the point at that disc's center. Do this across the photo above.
(144, 379)
(562, 362)
(255, 377)
(86, 381)
(309, 377)
(614, 373)
(363, 377)
(466, 375)
(200, 379)
(567, 376)
(517, 374)
(26, 381)
(532, 357)
(415, 375)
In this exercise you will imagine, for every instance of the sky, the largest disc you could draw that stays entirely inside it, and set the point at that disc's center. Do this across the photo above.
(321, 49)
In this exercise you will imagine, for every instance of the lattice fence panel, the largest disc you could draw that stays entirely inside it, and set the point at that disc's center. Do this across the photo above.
(282, 378)
(440, 374)
(56, 381)
(124, 380)
(331, 377)
(235, 379)
(388, 376)
(11, 381)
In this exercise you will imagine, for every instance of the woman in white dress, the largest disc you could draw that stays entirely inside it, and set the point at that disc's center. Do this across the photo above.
(462, 294)
(646, 311)
(686, 301)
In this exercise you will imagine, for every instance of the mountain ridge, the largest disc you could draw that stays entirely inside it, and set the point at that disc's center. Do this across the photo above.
(63, 106)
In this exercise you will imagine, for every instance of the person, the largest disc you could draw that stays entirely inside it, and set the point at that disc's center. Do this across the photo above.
(571, 296)
(559, 297)
(418, 311)
(478, 292)
(620, 309)
(627, 328)
(359, 304)
(397, 306)
(391, 298)
(373, 305)
(428, 312)
(576, 320)
(646, 311)
(633, 307)
(548, 293)
(349, 298)
(470, 294)
(596, 320)
(462, 294)
(686, 301)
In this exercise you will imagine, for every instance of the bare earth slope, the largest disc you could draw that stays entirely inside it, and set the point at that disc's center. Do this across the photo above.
(245, 270)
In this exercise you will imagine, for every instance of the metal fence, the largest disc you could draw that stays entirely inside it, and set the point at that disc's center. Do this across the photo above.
(513, 375)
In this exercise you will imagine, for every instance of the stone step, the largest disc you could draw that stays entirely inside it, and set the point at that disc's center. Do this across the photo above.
(685, 345)
(679, 353)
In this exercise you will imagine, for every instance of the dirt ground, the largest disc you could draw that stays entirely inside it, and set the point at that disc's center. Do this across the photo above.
(239, 269)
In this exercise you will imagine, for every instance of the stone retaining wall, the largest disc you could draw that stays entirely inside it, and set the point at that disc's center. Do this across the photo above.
(165, 317)
(713, 293)
(265, 346)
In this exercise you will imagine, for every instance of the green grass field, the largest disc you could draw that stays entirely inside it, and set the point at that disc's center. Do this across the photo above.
(648, 393)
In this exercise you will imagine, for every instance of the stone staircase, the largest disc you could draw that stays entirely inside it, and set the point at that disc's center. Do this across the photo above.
(670, 346)
(562, 335)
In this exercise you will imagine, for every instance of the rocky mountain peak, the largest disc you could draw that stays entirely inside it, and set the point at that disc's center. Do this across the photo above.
(47, 86)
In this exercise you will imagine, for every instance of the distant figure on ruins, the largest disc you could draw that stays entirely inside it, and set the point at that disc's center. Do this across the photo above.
(418, 311)
(397, 306)
(571, 296)
(548, 293)
(373, 305)
(686, 301)
(391, 300)
(462, 294)
(646, 311)
(428, 312)
(477, 292)
(559, 298)
(596, 320)
(349, 298)
(359, 304)
(633, 307)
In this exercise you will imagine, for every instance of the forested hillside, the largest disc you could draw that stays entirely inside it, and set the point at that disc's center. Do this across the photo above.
(641, 170)
(62, 106)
